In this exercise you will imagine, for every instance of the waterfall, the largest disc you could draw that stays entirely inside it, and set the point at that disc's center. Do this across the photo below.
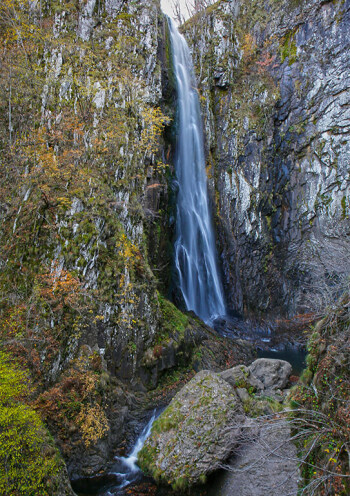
(195, 252)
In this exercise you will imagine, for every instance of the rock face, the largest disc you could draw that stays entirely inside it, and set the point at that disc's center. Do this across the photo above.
(274, 83)
(195, 433)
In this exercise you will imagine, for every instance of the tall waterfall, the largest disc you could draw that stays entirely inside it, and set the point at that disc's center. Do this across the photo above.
(195, 252)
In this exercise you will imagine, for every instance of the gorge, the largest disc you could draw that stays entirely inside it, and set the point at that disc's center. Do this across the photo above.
(117, 256)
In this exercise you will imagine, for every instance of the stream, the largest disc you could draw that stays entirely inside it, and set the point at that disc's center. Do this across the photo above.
(125, 477)
(123, 473)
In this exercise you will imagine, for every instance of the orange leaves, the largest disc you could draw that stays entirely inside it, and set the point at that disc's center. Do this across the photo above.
(60, 286)
(73, 403)
(35, 330)
(267, 61)
(55, 155)
(93, 423)
(249, 47)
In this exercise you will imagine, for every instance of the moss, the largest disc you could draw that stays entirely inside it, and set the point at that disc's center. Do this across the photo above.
(288, 48)
(256, 407)
(345, 207)
(180, 484)
(173, 322)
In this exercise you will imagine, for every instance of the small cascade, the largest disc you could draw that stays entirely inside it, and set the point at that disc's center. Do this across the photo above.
(130, 462)
(195, 250)
(123, 474)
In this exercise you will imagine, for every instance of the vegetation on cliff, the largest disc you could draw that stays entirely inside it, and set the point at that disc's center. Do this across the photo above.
(80, 130)
(321, 404)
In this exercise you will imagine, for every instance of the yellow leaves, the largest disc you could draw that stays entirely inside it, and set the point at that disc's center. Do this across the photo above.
(15, 23)
(13, 381)
(26, 463)
(154, 122)
(93, 423)
(64, 202)
(248, 46)
(99, 318)
(128, 251)
(161, 167)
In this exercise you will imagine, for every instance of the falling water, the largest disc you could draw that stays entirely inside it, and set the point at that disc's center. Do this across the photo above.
(123, 475)
(131, 461)
(195, 252)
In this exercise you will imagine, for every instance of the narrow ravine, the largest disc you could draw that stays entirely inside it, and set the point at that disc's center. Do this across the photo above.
(195, 250)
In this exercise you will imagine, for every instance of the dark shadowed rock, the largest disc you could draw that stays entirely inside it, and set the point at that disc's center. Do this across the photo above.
(268, 465)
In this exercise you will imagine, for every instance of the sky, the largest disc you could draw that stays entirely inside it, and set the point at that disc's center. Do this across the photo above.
(167, 9)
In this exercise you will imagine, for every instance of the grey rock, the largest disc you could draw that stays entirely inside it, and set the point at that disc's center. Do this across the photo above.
(242, 394)
(268, 465)
(273, 374)
(278, 133)
(240, 376)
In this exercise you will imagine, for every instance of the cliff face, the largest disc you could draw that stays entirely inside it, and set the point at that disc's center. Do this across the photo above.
(82, 180)
(85, 102)
(80, 159)
(273, 78)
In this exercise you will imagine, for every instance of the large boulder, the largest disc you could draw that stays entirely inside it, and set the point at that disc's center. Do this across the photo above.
(195, 433)
(267, 464)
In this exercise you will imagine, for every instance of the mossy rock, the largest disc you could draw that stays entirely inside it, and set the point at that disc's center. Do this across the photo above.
(194, 434)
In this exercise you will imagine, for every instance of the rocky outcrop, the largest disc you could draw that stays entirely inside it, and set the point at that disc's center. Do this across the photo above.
(275, 99)
(195, 433)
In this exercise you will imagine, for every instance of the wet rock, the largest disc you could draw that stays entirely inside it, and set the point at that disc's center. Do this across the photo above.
(195, 433)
